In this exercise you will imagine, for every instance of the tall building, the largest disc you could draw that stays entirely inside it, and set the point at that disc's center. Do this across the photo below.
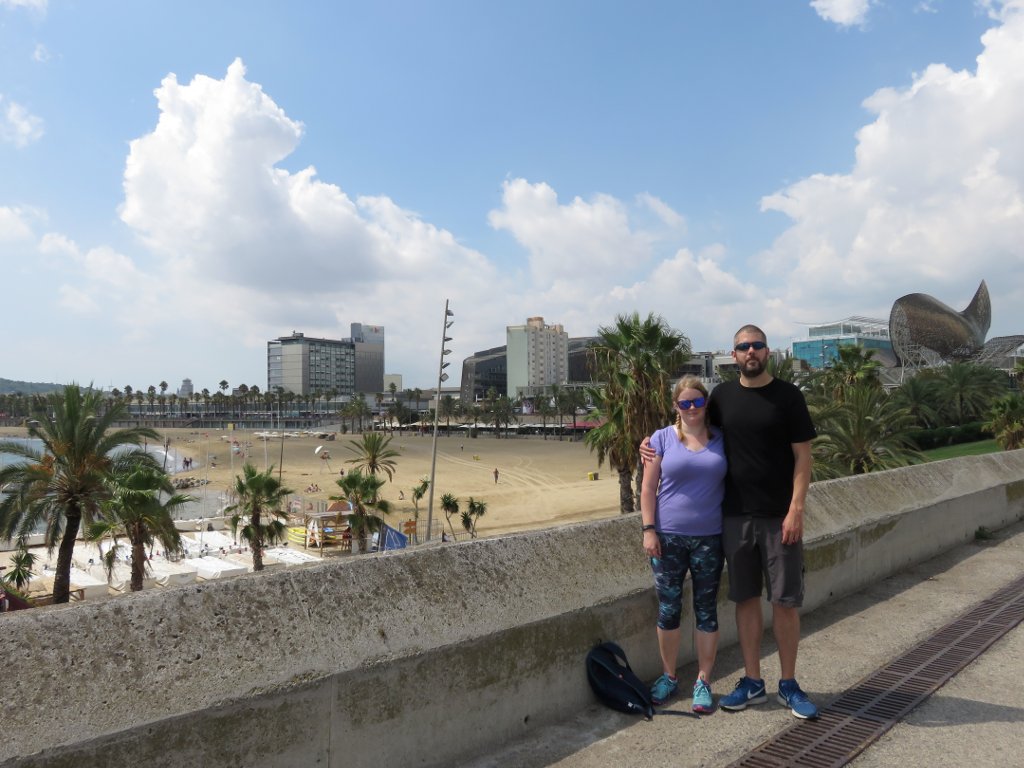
(369, 348)
(306, 365)
(185, 390)
(480, 372)
(538, 356)
(389, 379)
(579, 359)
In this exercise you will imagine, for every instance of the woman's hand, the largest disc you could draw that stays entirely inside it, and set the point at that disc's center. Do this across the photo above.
(652, 545)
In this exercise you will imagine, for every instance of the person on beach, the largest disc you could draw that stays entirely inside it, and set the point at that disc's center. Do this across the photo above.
(768, 433)
(681, 510)
(495, 475)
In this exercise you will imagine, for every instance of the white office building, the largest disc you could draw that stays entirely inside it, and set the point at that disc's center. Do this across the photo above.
(537, 357)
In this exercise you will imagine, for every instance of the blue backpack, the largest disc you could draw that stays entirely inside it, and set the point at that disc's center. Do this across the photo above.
(615, 683)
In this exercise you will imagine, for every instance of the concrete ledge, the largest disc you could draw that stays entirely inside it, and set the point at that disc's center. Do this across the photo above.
(418, 657)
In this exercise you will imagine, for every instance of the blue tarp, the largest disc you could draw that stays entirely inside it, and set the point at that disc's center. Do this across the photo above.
(394, 539)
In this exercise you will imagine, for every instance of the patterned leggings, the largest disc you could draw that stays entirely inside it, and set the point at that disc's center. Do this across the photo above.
(702, 556)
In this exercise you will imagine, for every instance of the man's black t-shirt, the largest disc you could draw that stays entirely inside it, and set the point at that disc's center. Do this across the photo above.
(760, 425)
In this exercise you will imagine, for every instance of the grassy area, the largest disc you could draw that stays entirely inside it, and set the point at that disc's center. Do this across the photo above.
(964, 449)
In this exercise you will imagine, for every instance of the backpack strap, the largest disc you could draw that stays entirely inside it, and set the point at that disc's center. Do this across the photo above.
(619, 654)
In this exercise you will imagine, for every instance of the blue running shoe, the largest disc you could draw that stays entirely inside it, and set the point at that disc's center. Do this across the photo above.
(791, 696)
(702, 697)
(747, 692)
(664, 688)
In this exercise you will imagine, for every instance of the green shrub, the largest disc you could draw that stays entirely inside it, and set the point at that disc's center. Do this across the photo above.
(942, 436)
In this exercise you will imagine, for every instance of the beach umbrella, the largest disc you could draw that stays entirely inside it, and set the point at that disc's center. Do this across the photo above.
(325, 455)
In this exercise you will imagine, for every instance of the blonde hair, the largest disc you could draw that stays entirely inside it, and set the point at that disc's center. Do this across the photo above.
(688, 382)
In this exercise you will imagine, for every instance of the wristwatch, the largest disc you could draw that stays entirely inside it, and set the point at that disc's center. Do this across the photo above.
(647, 528)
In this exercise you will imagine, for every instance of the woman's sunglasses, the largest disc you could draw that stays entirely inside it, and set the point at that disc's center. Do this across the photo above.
(697, 402)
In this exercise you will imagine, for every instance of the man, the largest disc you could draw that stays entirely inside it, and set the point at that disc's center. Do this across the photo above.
(768, 433)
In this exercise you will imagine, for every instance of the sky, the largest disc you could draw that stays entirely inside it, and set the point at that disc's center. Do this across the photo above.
(182, 182)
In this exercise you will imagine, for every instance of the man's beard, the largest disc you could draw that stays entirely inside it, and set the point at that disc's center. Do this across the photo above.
(752, 368)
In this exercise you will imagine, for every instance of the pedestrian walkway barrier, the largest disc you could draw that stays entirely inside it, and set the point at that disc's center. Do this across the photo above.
(410, 634)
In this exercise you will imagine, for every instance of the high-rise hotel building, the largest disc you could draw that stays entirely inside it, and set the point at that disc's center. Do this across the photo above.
(306, 365)
(537, 357)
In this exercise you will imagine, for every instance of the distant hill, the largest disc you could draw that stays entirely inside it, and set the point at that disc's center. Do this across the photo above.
(9, 387)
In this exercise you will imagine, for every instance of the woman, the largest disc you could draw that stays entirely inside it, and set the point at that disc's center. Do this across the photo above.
(681, 509)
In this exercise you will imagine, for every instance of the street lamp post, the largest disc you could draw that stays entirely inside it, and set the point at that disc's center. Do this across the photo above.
(441, 378)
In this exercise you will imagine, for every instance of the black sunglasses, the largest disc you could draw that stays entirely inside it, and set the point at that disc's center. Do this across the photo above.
(743, 346)
(697, 402)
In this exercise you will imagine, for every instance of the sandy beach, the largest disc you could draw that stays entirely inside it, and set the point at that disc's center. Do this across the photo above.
(540, 482)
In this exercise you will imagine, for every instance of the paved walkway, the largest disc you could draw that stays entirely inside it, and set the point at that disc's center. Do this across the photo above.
(975, 719)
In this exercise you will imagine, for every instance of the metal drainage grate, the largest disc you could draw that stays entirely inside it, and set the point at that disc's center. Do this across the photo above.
(870, 708)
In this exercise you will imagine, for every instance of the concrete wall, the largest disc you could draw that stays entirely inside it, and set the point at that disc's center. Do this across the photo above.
(415, 657)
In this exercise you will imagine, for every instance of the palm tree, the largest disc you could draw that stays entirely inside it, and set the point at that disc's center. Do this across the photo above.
(401, 414)
(475, 510)
(611, 441)
(635, 358)
(574, 401)
(418, 492)
(63, 486)
(138, 510)
(853, 366)
(447, 410)
(20, 573)
(362, 492)
(544, 409)
(362, 410)
(968, 390)
(558, 405)
(259, 494)
(868, 431)
(501, 413)
(373, 454)
(1006, 422)
(450, 507)
(918, 395)
(243, 394)
(785, 369)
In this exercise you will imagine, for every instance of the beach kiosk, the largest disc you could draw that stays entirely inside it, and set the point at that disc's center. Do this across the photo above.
(324, 529)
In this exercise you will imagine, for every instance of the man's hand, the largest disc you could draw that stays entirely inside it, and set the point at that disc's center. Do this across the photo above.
(646, 452)
(793, 526)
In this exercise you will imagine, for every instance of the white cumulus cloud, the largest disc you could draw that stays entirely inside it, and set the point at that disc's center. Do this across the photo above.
(567, 241)
(32, 5)
(14, 224)
(18, 126)
(845, 13)
(234, 231)
(934, 201)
